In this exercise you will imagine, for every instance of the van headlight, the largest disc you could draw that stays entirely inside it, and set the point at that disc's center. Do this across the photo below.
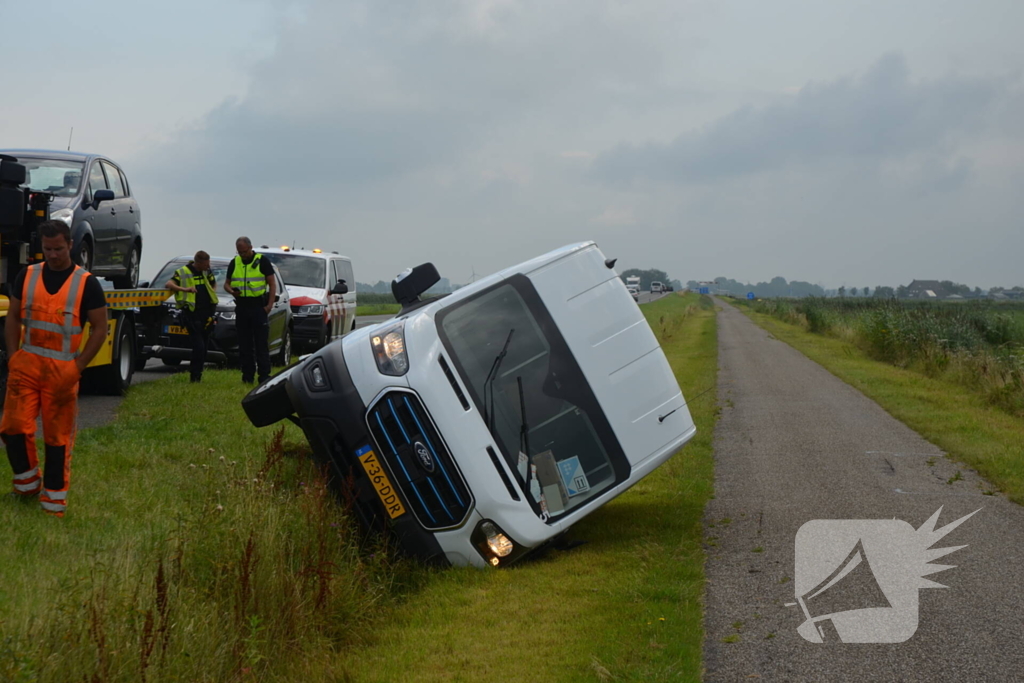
(388, 344)
(311, 309)
(493, 544)
(65, 215)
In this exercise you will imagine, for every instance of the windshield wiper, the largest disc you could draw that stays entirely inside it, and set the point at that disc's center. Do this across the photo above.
(524, 433)
(489, 382)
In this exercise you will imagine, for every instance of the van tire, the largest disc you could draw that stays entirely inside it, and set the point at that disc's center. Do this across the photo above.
(268, 403)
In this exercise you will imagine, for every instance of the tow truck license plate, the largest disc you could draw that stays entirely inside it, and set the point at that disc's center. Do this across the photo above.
(174, 329)
(381, 484)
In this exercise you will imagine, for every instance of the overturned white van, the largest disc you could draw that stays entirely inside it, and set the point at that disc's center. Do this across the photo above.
(479, 426)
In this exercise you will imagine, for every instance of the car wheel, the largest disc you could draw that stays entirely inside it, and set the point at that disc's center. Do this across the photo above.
(284, 356)
(85, 255)
(130, 280)
(269, 403)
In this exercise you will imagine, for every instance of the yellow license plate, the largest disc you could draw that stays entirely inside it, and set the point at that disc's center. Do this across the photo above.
(386, 492)
(176, 329)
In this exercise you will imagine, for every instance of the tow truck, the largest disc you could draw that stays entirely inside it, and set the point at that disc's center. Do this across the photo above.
(21, 212)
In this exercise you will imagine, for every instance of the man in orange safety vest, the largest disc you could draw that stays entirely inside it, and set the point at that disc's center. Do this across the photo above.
(52, 300)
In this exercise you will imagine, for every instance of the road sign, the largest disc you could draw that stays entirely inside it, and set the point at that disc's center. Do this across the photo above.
(750, 295)
(705, 290)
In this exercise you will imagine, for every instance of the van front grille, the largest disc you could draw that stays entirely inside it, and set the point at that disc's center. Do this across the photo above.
(419, 460)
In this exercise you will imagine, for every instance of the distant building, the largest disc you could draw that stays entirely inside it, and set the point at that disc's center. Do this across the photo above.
(926, 289)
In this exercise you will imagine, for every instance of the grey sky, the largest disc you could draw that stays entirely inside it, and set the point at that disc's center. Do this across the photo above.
(848, 143)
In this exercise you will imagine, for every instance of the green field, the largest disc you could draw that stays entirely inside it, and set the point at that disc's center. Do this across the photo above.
(977, 344)
(197, 548)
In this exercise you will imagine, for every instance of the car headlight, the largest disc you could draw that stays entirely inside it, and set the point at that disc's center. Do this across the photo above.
(312, 309)
(65, 215)
(388, 346)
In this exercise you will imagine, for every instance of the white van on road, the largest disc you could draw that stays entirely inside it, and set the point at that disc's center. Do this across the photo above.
(479, 426)
(657, 287)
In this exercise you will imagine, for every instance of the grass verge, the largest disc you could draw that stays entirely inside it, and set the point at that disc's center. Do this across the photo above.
(958, 420)
(197, 548)
(377, 309)
(625, 606)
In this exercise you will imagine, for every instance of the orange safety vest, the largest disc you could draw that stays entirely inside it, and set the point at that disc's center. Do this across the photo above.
(53, 326)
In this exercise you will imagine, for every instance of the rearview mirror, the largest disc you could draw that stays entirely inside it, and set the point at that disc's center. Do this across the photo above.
(339, 288)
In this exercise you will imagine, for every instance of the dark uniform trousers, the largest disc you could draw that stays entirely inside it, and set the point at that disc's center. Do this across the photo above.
(197, 324)
(253, 341)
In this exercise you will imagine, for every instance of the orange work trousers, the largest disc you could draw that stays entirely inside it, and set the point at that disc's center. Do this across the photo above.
(41, 385)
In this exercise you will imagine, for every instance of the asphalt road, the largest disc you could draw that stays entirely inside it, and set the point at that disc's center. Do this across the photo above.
(796, 444)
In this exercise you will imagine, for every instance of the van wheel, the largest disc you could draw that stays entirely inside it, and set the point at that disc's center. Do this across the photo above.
(268, 403)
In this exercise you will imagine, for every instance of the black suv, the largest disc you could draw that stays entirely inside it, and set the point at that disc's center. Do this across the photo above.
(92, 195)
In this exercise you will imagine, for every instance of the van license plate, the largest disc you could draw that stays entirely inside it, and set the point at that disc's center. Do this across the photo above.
(174, 329)
(385, 491)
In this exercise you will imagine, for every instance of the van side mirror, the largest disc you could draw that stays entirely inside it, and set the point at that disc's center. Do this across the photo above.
(102, 196)
(339, 288)
(409, 284)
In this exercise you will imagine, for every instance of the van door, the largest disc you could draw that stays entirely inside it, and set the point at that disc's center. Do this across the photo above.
(337, 301)
(350, 298)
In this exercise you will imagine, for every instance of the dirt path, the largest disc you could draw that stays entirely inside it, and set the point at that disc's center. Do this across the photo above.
(796, 444)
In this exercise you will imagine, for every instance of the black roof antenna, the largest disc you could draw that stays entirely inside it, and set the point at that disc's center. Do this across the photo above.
(69, 137)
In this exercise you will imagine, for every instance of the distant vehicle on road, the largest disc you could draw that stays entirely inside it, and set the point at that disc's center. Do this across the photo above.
(92, 195)
(666, 287)
(634, 282)
(657, 287)
(634, 292)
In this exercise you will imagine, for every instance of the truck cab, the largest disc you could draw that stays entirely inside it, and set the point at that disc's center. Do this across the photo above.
(480, 426)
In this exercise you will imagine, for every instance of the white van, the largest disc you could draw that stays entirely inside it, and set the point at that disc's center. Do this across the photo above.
(481, 425)
(657, 287)
(320, 312)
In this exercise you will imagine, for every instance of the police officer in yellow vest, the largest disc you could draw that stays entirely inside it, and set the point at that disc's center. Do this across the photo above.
(194, 288)
(250, 279)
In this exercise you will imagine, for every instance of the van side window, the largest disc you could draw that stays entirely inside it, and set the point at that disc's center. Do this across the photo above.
(347, 275)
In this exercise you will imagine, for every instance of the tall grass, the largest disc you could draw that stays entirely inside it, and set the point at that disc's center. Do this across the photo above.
(249, 570)
(979, 344)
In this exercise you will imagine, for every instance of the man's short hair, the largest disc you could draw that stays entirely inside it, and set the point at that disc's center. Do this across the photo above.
(53, 229)
(202, 256)
(244, 240)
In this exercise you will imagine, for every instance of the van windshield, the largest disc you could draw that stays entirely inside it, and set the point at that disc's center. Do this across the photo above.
(62, 178)
(570, 453)
(301, 271)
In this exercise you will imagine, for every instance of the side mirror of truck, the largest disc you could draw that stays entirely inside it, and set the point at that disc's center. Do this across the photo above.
(339, 288)
(412, 282)
(102, 196)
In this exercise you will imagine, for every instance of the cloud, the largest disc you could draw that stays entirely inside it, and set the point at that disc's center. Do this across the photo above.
(881, 115)
(615, 217)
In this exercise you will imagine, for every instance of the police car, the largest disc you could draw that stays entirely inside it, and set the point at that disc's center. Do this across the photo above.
(320, 313)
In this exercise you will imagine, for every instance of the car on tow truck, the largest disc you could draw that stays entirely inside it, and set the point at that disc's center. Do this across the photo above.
(479, 426)
(161, 333)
